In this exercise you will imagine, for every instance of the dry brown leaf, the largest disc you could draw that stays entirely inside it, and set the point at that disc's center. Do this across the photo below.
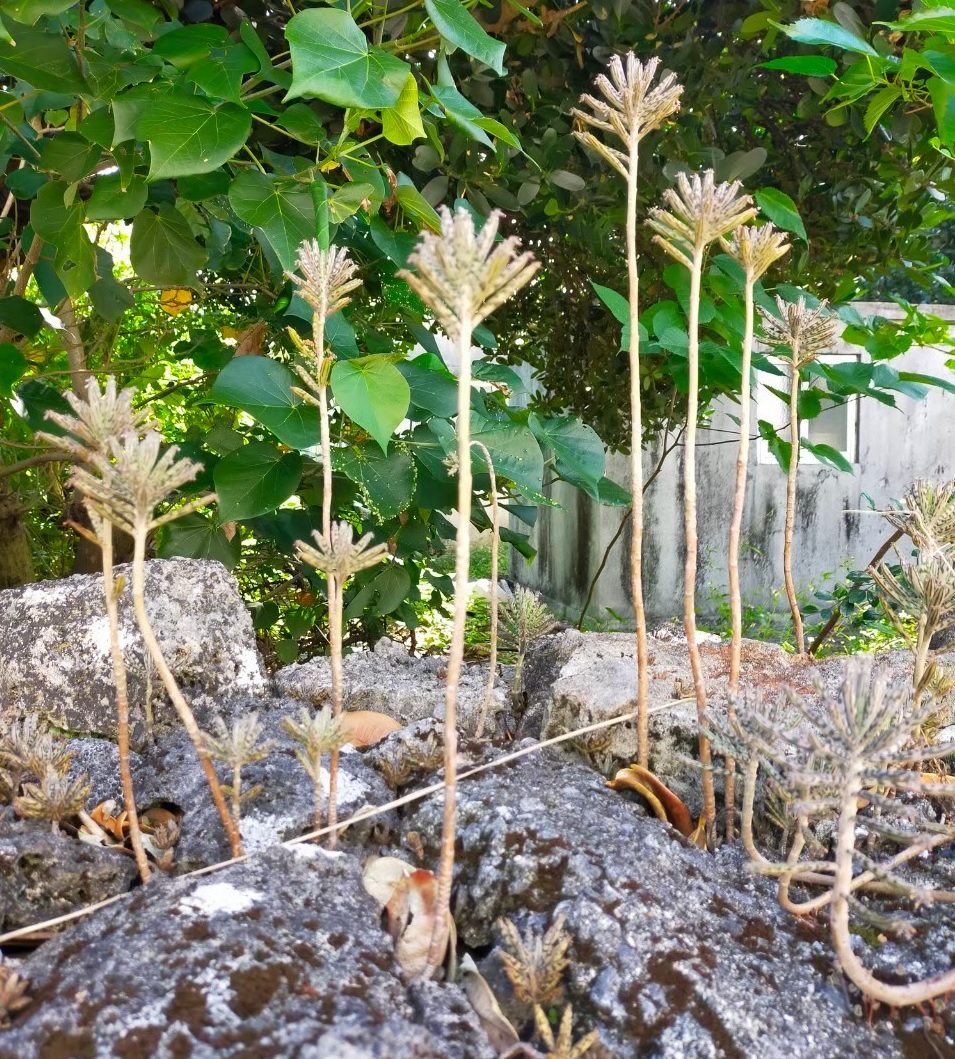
(111, 821)
(665, 804)
(411, 915)
(500, 1032)
(382, 876)
(365, 727)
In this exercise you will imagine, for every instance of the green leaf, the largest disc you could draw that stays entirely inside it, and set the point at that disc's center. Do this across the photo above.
(819, 31)
(188, 135)
(372, 393)
(220, 75)
(387, 481)
(401, 123)
(616, 303)
(808, 65)
(383, 594)
(461, 113)
(196, 537)
(43, 60)
(38, 398)
(29, 11)
(458, 26)
(283, 209)
(69, 155)
(61, 226)
(827, 454)
(13, 366)
(514, 451)
(348, 200)
(255, 479)
(943, 102)
(331, 60)
(187, 45)
(20, 315)
(932, 19)
(263, 388)
(575, 445)
(927, 380)
(111, 298)
(163, 250)
(433, 388)
(879, 104)
(781, 210)
(110, 201)
(138, 12)
(415, 205)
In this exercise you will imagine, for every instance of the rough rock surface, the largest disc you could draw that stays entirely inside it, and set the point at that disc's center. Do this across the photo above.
(54, 645)
(676, 953)
(280, 956)
(43, 875)
(574, 679)
(389, 680)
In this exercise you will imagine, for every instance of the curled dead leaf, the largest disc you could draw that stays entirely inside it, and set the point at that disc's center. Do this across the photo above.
(365, 727)
(500, 1032)
(665, 804)
(382, 875)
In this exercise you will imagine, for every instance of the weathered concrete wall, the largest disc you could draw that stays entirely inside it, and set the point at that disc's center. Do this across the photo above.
(895, 446)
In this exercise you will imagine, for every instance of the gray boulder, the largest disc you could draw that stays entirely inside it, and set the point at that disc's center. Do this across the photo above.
(281, 956)
(676, 952)
(54, 645)
(391, 681)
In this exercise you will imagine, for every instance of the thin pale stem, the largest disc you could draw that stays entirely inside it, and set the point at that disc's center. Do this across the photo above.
(175, 695)
(335, 628)
(122, 703)
(736, 525)
(923, 639)
(492, 592)
(462, 557)
(636, 464)
(237, 792)
(318, 804)
(690, 532)
(791, 501)
(749, 798)
(842, 886)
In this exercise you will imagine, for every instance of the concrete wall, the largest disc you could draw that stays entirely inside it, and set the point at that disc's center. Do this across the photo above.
(895, 446)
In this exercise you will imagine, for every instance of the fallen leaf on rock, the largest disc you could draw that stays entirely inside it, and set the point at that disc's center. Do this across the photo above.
(500, 1032)
(382, 875)
(665, 804)
(365, 727)
(114, 822)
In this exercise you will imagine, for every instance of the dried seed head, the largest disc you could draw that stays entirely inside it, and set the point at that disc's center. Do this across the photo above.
(54, 798)
(239, 745)
(806, 332)
(562, 1046)
(630, 108)
(340, 555)
(328, 277)
(926, 513)
(13, 994)
(319, 733)
(925, 589)
(535, 962)
(524, 619)
(462, 275)
(101, 415)
(700, 212)
(756, 248)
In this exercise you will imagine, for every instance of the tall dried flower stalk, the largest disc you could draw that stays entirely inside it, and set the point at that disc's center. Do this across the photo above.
(493, 593)
(99, 417)
(806, 333)
(755, 249)
(338, 555)
(463, 277)
(124, 487)
(631, 108)
(701, 211)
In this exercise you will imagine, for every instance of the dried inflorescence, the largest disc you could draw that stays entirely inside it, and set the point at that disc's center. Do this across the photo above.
(701, 211)
(756, 249)
(408, 761)
(535, 962)
(926, 513)
(562, 1045)
(99, 417)
(339, 555)
(463, 276)
(236, 747)
(54, 797)
(805, 332)
(631, 107)
(328, 277)
(317, 733)
(14, 994)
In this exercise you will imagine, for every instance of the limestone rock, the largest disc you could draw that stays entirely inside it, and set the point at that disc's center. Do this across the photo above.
(54, 645)
(280, 956)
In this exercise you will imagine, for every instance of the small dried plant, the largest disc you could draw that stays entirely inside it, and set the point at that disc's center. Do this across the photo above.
(524, 619)
(700, 212)
(339, 556)
(535, 961)
(55, 797)
(462, 276)
(562, 1045)
(236, 747)
(859, 749)
(805, 333)
(408, 760)
(14, 994)
(755, 250)
(317, 733)
(27, 748)
(100, 417)
(631, 108)
(926, 513)
(123, 482)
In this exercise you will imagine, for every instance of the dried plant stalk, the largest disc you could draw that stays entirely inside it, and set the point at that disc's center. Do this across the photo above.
(463, 277)
(701, 211)
(629, 110)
